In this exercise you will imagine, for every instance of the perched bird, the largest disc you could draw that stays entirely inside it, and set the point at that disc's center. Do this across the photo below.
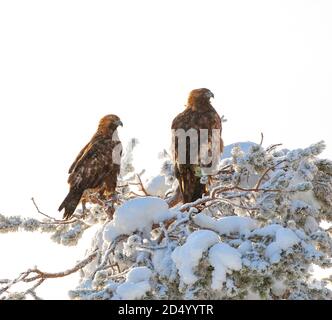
(196, 129)
(97, 166)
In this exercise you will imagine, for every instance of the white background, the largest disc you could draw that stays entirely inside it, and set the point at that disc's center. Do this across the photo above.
(65, 64)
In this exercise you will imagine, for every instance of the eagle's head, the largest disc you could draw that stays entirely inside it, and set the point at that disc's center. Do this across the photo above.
(109, 123)
(199, 97)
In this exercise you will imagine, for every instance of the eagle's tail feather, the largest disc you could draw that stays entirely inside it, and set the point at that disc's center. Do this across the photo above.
(199, 190)
(190, 184)
(70, 203)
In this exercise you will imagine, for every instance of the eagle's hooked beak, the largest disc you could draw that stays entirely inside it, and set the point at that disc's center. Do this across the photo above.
(209, 94)
(119, 123)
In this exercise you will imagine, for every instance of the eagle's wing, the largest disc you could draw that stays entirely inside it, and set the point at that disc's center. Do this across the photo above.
(180, 122)
(89, 172)
(78, 157)
(91, 168)
(214, 123)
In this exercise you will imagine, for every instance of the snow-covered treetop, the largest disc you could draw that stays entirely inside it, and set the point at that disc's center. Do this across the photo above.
(257, 233)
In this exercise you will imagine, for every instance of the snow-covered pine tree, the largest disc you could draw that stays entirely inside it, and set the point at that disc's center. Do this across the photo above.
(257, 235)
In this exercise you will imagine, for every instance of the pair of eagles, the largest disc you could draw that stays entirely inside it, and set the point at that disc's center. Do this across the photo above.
(95, 166)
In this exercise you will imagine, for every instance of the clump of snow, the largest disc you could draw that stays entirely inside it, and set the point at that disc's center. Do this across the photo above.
(187, 256)
(278, 288)
(226, 225)
(272, 252)
(139, 274)
(132, 291)
(245, 247)
(131, 244)
(224, 259)
(268, 231)
(137, 214)
(158, 186)
(136, 285)
(163, 263)
(284, 239)
(311, 225)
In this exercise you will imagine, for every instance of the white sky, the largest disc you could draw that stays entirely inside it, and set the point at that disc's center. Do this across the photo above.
(64, 64)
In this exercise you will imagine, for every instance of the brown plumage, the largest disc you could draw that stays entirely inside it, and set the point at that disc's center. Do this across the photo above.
(199, 114)
(97, 166)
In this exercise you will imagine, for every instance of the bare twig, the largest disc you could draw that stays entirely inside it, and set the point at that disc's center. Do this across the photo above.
(262, 138)
(224, 170)
(175, 225)
(266, 172)
(141, 185)
(150, 248)
(196, 203)
(36, 274)
(242, 206)
(40, 212)
(55, 221)
(221, 190)
(123, 273)
(32, 291)
(46, 275)
(3, 281)
(269, 149)
(162, 226)
(175, 198)
(109, 250)
(33, 294)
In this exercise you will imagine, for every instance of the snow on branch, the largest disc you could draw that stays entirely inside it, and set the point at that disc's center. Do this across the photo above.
(255, 234)
(38, 276)
(63, 232)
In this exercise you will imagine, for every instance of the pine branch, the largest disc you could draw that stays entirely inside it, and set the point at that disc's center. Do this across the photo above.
(35, 274)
